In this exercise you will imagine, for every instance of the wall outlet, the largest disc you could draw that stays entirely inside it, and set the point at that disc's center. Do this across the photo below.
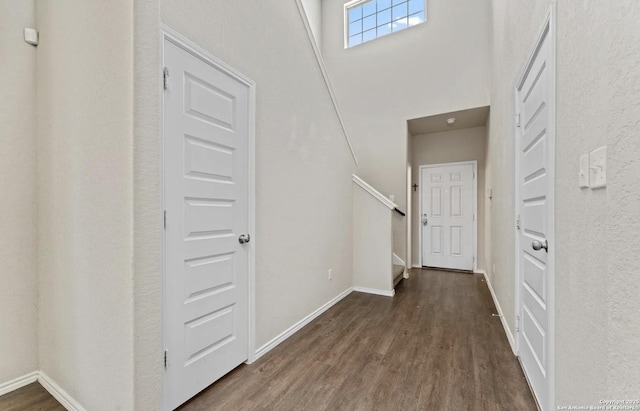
(330, 274)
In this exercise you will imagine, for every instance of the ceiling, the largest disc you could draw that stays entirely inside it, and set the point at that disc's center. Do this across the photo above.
(474, 117)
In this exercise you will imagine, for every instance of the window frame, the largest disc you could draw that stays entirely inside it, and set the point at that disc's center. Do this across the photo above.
(355, 3)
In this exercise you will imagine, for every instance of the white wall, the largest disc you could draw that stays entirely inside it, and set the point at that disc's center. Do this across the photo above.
(596, 277)
(372, 261)
(437, 67)
(18, 211)
(303, 168)
(84, 106)
(448, 147)
(313, 10)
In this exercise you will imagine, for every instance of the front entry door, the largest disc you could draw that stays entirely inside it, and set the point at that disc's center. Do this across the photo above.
(206, 126)
(534, 103)
(447, 216)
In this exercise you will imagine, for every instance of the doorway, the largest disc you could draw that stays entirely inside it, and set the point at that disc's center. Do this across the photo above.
(534, 199)
(447, 218)
(208, 222)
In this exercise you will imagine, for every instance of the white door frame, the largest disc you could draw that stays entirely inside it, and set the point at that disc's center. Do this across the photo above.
(187, 45)
(474, 163)
(548, 31)
(409, 222)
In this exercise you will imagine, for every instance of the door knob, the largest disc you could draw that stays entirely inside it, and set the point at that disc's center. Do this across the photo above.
(244, 238)
(425, 220)
(537, 245)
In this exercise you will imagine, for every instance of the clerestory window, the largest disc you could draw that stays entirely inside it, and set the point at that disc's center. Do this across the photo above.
(366, 20)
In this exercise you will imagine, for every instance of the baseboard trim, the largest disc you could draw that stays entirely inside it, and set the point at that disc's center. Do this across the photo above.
(507, 331)
(416, 266)
(375, 291)
(47, 383)
(7, 387)
(58, 393)
(480, 272)
(297, 326)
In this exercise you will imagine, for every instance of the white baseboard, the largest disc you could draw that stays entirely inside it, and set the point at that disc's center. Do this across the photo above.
(507, 331)
(58, 393)
(375, 291)
(297, 326)
(47, 383)
(480, 272)
(19, 382)
(416, 266)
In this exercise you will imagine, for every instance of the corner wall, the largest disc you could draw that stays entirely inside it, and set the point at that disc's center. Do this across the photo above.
(84, 106)
(596, 276)
(18, 210)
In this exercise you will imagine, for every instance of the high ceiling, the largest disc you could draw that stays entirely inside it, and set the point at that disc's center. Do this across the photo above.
(475, 117)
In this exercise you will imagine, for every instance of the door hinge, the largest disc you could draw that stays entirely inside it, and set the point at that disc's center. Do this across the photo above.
(518, 222)
(165, 358)
(517, 323)
(165, 77)
(474, 217)
(518, 120)
(165, 219)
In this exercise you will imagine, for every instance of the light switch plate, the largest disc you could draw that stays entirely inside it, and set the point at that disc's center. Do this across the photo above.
(598, 168)
(583, 174)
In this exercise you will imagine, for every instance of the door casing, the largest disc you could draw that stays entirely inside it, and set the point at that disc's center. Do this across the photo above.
(548, 31)
(474, 196)
(168, 34)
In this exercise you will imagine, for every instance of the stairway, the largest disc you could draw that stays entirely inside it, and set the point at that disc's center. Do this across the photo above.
(398, 272)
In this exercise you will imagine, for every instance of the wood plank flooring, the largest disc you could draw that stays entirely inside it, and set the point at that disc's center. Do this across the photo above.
(30, 398)
(434, 346)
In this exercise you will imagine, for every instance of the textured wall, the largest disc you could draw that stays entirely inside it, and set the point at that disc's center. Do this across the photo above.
(623, 201)
(448, 147)
(18, 211)
(303, 168)
(598, 94)
(303, 165)
(148, 338)
(84, 105)
(433, 68)
(372, 261)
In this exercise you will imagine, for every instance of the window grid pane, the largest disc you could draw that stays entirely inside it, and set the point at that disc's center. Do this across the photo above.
(376, 18)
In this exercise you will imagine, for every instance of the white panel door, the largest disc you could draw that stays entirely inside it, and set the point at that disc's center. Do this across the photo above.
(446, 218)
(535, 187)
(206, 125)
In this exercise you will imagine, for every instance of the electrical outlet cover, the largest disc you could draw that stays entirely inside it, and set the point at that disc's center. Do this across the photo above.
(583, 174)
(598, 168)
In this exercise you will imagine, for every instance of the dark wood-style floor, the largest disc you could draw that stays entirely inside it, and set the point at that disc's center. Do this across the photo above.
(434, 346)
(30, 397)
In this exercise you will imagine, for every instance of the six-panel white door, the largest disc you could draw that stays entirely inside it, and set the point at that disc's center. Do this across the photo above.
(535, 188)
(206, 125)
(446, 218)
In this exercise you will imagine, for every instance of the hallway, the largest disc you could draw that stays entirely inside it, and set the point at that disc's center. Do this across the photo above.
(434, 346)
